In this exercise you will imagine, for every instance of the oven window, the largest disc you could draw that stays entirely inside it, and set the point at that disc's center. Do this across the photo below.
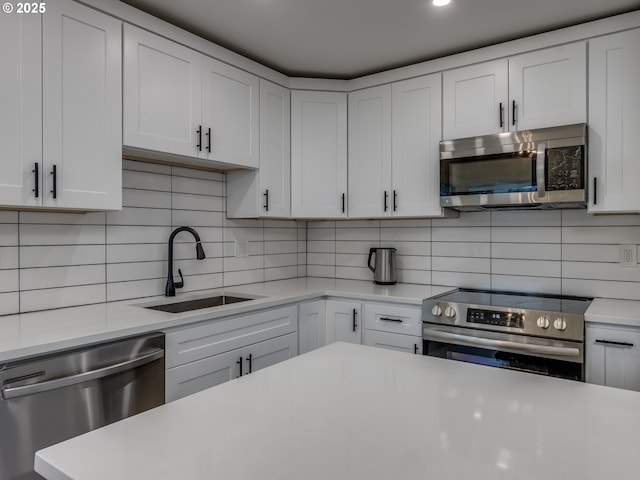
(503, 173)
(511, 361)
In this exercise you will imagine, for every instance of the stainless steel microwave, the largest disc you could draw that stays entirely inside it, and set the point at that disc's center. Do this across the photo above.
(542, 168)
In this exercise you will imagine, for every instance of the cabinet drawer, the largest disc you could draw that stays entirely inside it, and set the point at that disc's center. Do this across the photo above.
(612, 356)
(393, 318)
(225, 334)
(393, 341)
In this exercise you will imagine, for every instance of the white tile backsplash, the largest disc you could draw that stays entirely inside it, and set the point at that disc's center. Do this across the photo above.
(52, 260)
(557, 251)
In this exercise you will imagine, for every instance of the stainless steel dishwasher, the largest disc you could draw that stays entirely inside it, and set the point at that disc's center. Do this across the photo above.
(49, 399)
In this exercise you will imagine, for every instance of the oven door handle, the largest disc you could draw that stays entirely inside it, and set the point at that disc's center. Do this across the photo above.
(496, 344)
(540, 170)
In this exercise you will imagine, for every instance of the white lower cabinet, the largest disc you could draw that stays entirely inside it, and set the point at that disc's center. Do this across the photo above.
(393, 341)
(211, 353)
(613, 356)
(396, 327)
(344, 321)
(312, 323)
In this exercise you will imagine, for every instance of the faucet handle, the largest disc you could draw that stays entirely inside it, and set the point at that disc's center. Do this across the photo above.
(179, 284)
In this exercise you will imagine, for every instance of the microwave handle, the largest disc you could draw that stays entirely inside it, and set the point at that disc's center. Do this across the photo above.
(540, 173)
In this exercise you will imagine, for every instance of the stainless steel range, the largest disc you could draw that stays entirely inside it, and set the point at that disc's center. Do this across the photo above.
(541, 334)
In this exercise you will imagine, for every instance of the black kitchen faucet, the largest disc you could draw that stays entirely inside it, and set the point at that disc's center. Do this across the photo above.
(170, 289)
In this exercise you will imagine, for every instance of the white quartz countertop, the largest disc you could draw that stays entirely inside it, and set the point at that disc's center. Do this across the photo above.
(29, 334)
(356, 412)
(614, 312)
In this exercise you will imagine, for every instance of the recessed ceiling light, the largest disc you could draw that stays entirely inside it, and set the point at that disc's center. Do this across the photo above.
(441, 3)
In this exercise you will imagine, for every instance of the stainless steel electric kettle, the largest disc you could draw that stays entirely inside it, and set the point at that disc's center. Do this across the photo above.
(384, 271)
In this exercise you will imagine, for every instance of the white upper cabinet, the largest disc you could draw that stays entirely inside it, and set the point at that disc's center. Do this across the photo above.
(318, 154)
(614, 122)
(394, 133)
(266, 192)
(61, 118)
(416, 133)
(548, 87)
(230, 114)
(370, 192)
(474, 100)
(539, 89)
(185, 104)
(82, 109)
(162, 94)
(21, 112)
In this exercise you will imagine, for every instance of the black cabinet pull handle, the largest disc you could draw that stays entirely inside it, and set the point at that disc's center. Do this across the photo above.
(355, 324)
(199, 132)
(36, 177)
(239, 362)
(250, 360)
(343, 200)
(386, 196)
(513, 112)
(389, 319)
(54, 172)
(501, 115)
(266, 199)
(415, 348)
(395, 201)
(616, 344)
(208, 134)
(595, 190)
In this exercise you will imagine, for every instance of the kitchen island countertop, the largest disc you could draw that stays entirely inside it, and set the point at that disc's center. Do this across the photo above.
(355, 412)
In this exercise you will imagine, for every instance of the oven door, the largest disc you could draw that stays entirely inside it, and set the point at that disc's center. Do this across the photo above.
(514, 352)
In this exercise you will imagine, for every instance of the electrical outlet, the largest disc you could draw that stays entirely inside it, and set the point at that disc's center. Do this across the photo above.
(628, 256)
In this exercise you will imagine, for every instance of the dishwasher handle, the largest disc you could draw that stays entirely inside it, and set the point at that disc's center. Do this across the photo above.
(14, 392)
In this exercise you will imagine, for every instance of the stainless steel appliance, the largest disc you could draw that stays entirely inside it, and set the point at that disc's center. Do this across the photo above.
(543, 168)
(50, 399)
(541, 334)
(384, 270)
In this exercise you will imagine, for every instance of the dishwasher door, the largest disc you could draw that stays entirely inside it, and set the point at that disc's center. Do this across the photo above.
(50, 399)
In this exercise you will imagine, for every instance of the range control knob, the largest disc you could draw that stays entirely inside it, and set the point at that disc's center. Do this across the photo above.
(436, 311)
(449, 312)
(543, 322)
(560, 324)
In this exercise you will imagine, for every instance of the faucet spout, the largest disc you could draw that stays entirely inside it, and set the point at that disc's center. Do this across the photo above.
(170, 288)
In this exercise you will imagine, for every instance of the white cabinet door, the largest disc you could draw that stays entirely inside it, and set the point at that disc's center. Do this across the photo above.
(230, 118)
(614, 122)
(162, 94)
(206, 373)
(344, 321)
(267, 353)
(312, 321)
(370, 153)
(266, 192)
(82, 108)
(21, 111)
(393, 341)
(318, 154)
(417, 131)
(548, 87)
(474, 100)
(613, 356)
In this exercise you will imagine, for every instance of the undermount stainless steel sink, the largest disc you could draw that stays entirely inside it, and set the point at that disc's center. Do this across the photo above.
(197, 304)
